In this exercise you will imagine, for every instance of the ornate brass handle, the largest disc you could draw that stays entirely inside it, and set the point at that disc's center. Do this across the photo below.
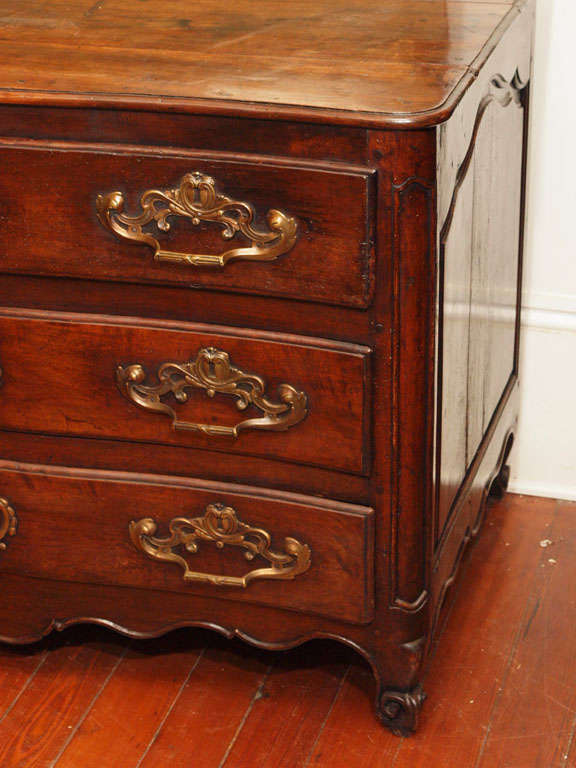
(197, 199)
(212, 371)
(8, 521)
(220, 525)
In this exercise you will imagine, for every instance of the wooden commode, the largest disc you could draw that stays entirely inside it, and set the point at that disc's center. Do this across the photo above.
(259, 315)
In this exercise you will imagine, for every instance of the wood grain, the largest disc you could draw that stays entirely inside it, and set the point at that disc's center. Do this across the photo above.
(17, 670)
(74, 389)
(211, 710)
(397, 59)
(138, 697)
(289, 710)
(477, 656)
(537, 706)
(172, 460)
(39, 724)
(303, 108)
(172, 129)
(186, 304)
(75, 527)
(331, 261)
(504, 668)
(479, 226)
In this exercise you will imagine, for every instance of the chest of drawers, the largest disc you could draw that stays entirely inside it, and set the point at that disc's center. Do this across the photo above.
(259, 316)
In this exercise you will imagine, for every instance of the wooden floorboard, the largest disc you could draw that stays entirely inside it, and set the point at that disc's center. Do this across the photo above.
(16, 673)
(475, 652)
(290, 709)
(537, 707)
(124, 718)
(211, 709)
(35, 729)
(501, 683)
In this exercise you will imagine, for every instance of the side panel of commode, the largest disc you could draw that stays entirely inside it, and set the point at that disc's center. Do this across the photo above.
(481, 169)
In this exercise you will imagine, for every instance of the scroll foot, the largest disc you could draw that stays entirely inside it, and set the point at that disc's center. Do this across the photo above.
(399, 710)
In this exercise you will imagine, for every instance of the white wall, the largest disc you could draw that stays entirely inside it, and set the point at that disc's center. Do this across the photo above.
(544, 459)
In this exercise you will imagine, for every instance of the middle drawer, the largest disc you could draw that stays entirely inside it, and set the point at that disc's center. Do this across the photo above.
(283, 396)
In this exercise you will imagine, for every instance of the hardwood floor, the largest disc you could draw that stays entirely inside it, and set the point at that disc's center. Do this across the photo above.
(501, 688)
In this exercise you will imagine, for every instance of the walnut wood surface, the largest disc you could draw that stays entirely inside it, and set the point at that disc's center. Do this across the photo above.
(170, 303)
(67, 367)
(331, 261)
(75, 528)
(395, 60)
(83, 694)
(149, 613)
(171, 129)
(412, 407)
(185, 461)
(406, 304)
(479, 215)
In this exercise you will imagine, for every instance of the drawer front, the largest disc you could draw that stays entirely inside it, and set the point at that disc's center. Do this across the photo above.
(284, 397)
(183, 219)
(229, 543)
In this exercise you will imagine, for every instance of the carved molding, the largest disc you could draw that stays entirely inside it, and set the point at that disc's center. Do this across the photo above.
(399, 710)
(426, 188)
(503, 93)
(498, 477)
(412, 606)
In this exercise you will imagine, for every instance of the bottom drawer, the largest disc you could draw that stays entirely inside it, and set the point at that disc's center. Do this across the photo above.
(225, 541)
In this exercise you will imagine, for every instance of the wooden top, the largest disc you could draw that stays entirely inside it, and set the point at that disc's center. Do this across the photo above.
(379, 62)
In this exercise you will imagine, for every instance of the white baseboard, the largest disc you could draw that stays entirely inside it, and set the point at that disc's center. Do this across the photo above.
(548, 319)
(549, 491)
(544, 457)
(548, 301)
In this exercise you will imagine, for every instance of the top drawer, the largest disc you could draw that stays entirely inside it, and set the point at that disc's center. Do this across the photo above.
(180, 218)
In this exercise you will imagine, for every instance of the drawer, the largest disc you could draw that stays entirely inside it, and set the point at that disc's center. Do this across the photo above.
(180, 218)
(220, 541)
(231, 390)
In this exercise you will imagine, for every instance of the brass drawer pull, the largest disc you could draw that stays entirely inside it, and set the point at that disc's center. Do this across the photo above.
(220, 525)
(212, 371)
(197, 199)
(8, 521)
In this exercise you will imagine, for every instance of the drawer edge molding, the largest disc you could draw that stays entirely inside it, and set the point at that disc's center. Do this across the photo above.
(220, 524)
(196, 198)
(8, 521)
(212, 371)
(185, 482)
(155, 323)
